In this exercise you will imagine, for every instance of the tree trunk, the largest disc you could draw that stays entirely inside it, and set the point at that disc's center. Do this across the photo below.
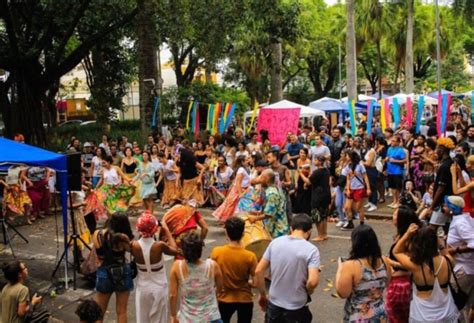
(147, 61)
(6, 109)
(351, 56)
(276, 85)
(379, 68)
(409, 73)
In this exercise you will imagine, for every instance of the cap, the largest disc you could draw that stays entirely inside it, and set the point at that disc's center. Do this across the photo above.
(87, 144)
(454, 203)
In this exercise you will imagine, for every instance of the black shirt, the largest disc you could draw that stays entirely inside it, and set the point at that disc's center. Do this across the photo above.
(444, 179)
(187, 164)
(320, 190)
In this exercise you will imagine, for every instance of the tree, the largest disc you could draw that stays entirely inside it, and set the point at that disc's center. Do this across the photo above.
(147, 61)
(39, 44)
(409, 74)
(351, 56)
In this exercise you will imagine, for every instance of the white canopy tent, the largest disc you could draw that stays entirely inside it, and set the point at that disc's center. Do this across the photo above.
(305, 111)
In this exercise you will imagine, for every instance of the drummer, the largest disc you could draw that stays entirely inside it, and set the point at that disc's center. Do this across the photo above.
(274, 208)
(238, 267)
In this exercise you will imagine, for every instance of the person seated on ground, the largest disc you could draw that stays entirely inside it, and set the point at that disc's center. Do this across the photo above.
(89, 311)
(15, 297)
(409, 196)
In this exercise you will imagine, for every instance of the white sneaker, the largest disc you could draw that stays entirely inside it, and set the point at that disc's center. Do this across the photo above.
(340, 224)
(372, 208)
(368, 205)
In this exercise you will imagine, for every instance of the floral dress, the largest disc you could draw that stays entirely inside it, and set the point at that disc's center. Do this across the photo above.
(366, 302)
(275, 206)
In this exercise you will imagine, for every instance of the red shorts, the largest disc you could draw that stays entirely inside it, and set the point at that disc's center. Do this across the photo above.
(357, 195)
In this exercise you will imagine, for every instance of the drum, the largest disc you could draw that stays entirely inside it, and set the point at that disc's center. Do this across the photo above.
(256, 238)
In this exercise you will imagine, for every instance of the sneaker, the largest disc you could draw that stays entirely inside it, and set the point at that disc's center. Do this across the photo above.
(368, 205)
(347, 226)
(340, 224)
(372, 208)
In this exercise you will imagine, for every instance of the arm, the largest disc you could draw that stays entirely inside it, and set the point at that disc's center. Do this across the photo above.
(123, 176)
(219, 280)
(169, 248)
(367, 184)
(259, 281)
(313, 280)
(173, 291)
(204, 228)
(345, 279)
(238, 183)
(91, 169)
(463, 188)
(101, 181)
(400, 249)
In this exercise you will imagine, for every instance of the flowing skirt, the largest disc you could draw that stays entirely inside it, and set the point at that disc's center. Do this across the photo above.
(192, 191)
(252, 200)
(16, 200)
(110, 199)
(39, 194)
(218, 193)
(170, 192)
(136, 199)
(228, 207)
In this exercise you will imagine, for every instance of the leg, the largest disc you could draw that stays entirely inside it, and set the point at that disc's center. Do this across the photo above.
(226, 310)
(372, 174)
(360, 210)
(244, 312)
(121, 306)
(340, 203)
(348, 209)
(103, 300)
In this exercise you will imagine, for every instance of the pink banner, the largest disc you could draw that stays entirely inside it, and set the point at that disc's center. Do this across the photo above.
(409, 116)
(278, 123)
(438, 114)
(388, 114)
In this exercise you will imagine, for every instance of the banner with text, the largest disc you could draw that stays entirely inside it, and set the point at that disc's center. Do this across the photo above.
(278, 123)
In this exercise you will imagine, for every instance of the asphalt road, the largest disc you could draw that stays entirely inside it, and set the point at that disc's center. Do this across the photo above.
(44, 249)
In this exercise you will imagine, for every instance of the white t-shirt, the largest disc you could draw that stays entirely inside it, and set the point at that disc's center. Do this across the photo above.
(242, 153)
(245, 177)
(96, 166)
(254, 147)
(461, 231)
(223, 177)
(111, 176)
(316, 151)
(167, 172)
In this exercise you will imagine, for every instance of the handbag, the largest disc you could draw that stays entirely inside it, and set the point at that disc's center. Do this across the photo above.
(89, 266)
(459, 296)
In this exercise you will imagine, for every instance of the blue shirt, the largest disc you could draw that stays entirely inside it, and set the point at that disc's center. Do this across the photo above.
(294, 149)
(397, 153)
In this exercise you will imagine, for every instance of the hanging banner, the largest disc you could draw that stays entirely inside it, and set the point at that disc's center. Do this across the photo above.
(217, 111)
(409, 117)
(156, 107)
(472, 107)
(278, 122)
(370, 116)
(193, 116)
(351, 110)
(438, 114)
(444, 111)
(383, 121)
(222, 118)
(448, 114)
(196, 121)
(396, 113)
(254, 115)
(208, 117)
(419, 114)
(189, 114)
(388, 115)
(230, 116)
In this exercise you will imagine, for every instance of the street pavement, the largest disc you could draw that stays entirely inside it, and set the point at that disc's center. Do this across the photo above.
(46, 246)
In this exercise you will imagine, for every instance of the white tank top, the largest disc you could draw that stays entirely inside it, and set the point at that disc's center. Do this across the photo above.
(145, 278)
(111, 176)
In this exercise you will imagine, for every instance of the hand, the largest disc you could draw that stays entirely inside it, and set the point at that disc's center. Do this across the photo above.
(36, 299)
(252, 219)
(453, 169)
(412, 229)
(369, 192)
(263, 302)
(174, 319)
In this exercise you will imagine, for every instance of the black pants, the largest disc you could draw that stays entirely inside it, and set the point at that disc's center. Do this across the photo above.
(244, 311)
(276, 314)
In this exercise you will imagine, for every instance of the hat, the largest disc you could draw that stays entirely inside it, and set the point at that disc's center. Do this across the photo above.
(147, 224)
(454, 203)
(87, 144)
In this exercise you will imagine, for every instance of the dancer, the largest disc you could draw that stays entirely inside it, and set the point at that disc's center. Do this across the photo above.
(240, 185)
(151, 301)
(182, 219)
(192, 180)
(36, 179)
(113, 189)
(129, 169)
(16, 201)
(146, 175)
(168, 174)
(222, 175)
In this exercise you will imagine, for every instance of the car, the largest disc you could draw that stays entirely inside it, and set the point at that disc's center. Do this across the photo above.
(85, 123)
(70, 123)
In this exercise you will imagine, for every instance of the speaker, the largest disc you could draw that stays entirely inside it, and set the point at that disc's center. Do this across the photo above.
(74, 173)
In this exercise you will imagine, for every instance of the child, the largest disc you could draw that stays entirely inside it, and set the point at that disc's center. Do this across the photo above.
(89, 312)
(426, 202)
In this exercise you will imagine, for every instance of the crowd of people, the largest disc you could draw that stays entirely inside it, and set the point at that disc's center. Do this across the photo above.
(319, 175)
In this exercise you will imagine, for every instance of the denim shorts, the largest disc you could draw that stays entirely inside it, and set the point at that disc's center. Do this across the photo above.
(106, 285)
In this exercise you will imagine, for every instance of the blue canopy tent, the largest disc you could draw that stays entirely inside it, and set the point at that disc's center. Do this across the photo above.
(362, 106)
(377, 96)
(12, 152)
(434, 95)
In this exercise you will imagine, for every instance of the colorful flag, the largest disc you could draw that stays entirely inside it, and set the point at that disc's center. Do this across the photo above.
(396, 113)
(230, 116)
(388, 115)
(444, 112)
(438, 114)
(254, 115)
(351, 110)
(419, 114)
(370, 116)
(383, 121)
(409, 117)
(189, 114)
